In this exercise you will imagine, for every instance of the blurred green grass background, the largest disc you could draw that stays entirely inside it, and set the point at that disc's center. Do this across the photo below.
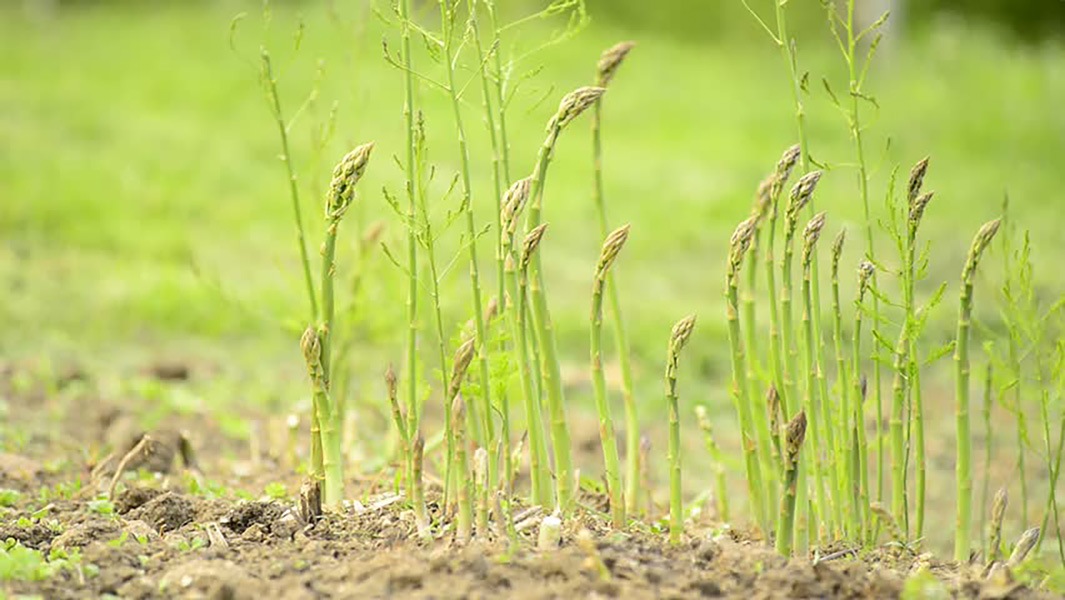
(144, 213)
(143, 202)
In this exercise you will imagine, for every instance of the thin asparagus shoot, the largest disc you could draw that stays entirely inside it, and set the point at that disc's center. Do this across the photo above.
(963, 522)
(739, 244)
(677, 339)
(721, 489)
(611, 247)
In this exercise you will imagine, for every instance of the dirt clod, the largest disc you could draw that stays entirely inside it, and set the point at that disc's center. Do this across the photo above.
(134, 497)
(83, 534)
(165, 512)
(245, 515)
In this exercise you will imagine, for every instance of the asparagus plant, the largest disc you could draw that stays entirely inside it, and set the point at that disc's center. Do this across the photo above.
(611, 247)
(740, 243)
(608, 65)
(963, 524)
(572, 105)
(678, 338)
(816, 405)
(796, 433)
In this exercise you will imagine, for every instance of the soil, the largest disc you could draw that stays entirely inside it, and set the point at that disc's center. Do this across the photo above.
(171, 531)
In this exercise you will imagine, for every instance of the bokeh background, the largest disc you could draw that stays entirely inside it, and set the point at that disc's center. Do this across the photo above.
(144, 215)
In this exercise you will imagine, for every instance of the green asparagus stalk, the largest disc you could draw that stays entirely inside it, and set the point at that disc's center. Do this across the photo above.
(572, 105)
(860, 446)
(611, 247)
(816, 405)
(677, 339)
(447, 17)
(559, 430)
(739, 244)
(963, 525)
(608, 65)
(786, 522)
(842, 425)
(513, 203)
(332, 470)
(780, 177)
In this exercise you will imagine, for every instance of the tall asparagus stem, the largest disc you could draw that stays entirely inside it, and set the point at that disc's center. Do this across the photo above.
(988, 447)
(410, 170)
(916, 203)
(270, 84)
(780, 177)
(560, 435)
(447, 17)
(341, 193)
(738, 246)
(572, 105)
(857, 95)
(499, 183)
(798, 199)
(844, 415)
(513, 204)
(611, 247)
(796, 433)
(677, 339)
(608, 64)
(501, 78)
(963, 525)
(816, 404)
(759, 212)
(860, 446)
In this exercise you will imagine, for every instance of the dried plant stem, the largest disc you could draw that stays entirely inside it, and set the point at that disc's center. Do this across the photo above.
(482, 490)
(611, 247)
(998, 513)
(464, 519)
(961, 359)
(398, 417)
(740, 243)
(677, 340)
(607, 66)
(447, 16)
(421, 517)
(796, 433)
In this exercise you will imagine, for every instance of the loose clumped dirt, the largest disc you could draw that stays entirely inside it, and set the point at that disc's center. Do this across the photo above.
(164, 535)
